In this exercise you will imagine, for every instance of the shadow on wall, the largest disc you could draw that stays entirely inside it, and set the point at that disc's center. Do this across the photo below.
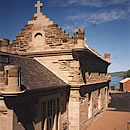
(120, 102)
(29, 111)
(90, 63)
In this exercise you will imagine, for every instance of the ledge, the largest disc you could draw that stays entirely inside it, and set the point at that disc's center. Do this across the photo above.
(3, 93)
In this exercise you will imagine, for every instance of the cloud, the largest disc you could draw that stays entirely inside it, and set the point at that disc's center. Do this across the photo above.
(101, 11)
(90, 3)
(94, 18)
(115, 2)
(99, 16)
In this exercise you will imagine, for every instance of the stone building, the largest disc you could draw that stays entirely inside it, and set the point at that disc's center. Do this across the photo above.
(50, 80)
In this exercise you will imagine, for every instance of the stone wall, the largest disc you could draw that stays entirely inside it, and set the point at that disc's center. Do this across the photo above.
(64, 108)
(6, 116)
(84, 111)
(84, 121)
(95, 97)
(21, 42)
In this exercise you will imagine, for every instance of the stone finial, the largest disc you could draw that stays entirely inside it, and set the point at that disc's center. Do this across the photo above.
(38, 6)
(4, 45)
(107, 57)
(39, 17)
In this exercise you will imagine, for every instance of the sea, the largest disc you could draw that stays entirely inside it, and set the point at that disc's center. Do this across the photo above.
(115, 81)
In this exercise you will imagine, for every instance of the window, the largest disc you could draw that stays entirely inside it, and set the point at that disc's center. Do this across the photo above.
(38, 40)
(99, 100)
(38, 34)
(50, 114)
(89, 105)
(6, 75)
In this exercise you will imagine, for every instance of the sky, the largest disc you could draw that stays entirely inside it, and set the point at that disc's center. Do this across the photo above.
(106, 23)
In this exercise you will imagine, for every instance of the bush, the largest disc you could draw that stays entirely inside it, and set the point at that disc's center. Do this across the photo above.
(127, 74)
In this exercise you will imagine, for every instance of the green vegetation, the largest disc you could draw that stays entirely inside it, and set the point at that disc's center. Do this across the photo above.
(124, 74)
(118, 74)
(127, 74)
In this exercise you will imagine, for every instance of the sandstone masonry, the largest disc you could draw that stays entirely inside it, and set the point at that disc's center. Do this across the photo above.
(49, 79)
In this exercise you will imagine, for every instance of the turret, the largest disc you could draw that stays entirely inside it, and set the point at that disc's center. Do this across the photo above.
(79, 38)
(12, 78)
(4, 45)
(107, 57)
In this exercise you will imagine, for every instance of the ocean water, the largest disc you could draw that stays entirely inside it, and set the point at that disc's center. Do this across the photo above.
(115, 81)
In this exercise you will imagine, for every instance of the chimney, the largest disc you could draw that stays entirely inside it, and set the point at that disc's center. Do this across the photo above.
(79, 38)
(107, 57)
(12, 78)
(4, 45)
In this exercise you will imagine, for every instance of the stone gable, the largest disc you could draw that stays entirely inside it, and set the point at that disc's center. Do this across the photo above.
(39, 38)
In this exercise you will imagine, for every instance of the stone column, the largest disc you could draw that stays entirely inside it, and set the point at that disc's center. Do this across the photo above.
(74, 106)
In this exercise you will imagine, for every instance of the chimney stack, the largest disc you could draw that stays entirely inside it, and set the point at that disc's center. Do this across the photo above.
(12, 78)
(4, 43)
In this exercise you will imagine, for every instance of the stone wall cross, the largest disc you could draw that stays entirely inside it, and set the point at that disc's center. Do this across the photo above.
(38, 6)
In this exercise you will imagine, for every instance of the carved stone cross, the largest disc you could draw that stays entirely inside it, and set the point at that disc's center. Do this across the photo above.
(38, 6)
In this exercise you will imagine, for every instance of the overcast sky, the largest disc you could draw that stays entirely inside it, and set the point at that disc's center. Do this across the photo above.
(106, 23)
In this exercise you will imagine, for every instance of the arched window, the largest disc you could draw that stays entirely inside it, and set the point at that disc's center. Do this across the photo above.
(38, 35)
(38, 40)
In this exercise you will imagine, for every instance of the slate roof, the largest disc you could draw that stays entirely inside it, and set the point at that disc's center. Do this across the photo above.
(34, 75)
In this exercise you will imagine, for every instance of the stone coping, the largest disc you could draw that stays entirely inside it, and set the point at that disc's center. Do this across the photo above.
(73, 86)
(3, 93)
